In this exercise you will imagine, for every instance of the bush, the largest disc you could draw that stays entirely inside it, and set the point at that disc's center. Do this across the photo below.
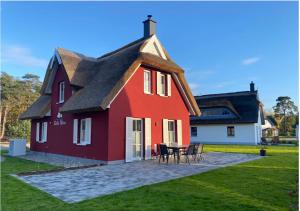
(21, 129)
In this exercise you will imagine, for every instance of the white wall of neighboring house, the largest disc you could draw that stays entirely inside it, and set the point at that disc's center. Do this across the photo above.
(248, 134)
(217, 134)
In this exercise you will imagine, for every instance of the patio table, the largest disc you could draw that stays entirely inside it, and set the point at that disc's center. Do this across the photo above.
(176, 149)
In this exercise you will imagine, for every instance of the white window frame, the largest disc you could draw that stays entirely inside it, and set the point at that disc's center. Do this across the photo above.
(232, 134)
(172, 132)
(84, 133)
(147, 82)
(61, 92)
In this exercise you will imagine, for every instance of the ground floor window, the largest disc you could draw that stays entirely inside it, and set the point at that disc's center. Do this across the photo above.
(230, 131)
(82, 129)
(41, 132)
(194, 131)
(171, 131)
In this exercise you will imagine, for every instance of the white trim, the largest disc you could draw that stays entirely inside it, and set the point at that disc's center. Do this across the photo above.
(169, 87)
(153, 45)
(182, 91)
(129, 139)
(108, 106)
(37, 132)
(147, 134)
(75, 131)
(179, 131)
(165, 131)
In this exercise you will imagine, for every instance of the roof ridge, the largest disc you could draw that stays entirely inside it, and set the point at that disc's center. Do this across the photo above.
(76, 54)
(225, 94)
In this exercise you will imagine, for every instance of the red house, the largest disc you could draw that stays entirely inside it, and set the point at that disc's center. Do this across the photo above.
(113, 108)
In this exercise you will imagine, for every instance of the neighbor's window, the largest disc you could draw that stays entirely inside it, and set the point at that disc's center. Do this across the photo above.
(194, 131)
(147, 82)
(171, 131)
(230, 131)
(61, 92)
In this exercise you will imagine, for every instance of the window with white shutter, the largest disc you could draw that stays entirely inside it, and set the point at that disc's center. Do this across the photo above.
(129, 139)
(169, 84)
(165, 131)
(61, 92)
(147, 138)
(84, 132)
(179, 131)
(147, 82)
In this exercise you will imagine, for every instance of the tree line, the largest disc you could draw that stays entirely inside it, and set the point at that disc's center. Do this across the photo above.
(17, 94)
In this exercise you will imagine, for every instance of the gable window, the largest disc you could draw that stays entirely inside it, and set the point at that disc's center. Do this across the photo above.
(61, 92)
(147, 82)
(163, 84)
(84, 128)
(230, 131)
(194, 131)
(171, 131)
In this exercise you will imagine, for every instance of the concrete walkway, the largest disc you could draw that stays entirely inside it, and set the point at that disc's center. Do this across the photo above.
(77, 185)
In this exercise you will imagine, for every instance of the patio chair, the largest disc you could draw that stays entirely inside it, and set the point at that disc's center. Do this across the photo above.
(163, 153)
(189, 152)
(199, 154)
(195, 151)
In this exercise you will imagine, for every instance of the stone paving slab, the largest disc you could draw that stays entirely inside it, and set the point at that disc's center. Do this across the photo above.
(59, 160)
(77, 185)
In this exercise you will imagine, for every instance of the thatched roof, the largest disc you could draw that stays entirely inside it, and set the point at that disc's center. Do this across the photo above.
(38, 109)
(100, 79)
(245, 105)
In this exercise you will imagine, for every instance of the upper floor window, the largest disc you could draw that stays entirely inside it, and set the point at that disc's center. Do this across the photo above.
(163, 84)
(61, 92)
(147, 82)
(194, 131)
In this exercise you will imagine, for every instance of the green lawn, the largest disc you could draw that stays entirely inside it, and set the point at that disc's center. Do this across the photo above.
(257, 185)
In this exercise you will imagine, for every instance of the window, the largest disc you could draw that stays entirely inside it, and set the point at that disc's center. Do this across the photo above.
(44, 132)
(163, 84)
(171, 131)
(147, 82)
(230, 131)
(61, 92)
(194, 131)
(84, 126)
(41, 132)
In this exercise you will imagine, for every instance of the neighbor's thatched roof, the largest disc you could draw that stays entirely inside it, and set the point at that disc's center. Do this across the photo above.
(100, 79)
(245, 105)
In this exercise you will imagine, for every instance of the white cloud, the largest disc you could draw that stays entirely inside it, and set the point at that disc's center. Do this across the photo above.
(250, 61)
(20, 55)
(223, 84)
(194, 87)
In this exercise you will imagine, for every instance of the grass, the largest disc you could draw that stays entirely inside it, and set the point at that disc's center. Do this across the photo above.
(257, 185)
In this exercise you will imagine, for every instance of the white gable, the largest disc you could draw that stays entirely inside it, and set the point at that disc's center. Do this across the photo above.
(154, 47)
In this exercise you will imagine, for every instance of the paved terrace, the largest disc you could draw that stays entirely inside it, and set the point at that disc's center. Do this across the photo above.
(103, 180)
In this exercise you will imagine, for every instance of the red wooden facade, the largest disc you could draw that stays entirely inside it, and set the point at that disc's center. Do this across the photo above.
(108, 127)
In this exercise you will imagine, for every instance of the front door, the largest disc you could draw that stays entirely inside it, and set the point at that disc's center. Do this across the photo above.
(137, 143)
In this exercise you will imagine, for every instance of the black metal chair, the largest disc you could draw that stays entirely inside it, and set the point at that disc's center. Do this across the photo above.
(163, 153)
(189, 152)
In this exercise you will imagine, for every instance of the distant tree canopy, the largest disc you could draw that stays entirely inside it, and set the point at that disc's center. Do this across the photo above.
(286, 115)
(16, 96)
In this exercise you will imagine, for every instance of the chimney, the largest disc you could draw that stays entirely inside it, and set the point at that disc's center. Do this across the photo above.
(149, 27)
(252, 88)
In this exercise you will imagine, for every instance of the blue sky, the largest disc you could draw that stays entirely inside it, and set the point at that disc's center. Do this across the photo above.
(222, 46)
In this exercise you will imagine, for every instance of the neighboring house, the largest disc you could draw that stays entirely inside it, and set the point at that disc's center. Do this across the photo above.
(113, 108)
(228, 118)
(269, 128)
